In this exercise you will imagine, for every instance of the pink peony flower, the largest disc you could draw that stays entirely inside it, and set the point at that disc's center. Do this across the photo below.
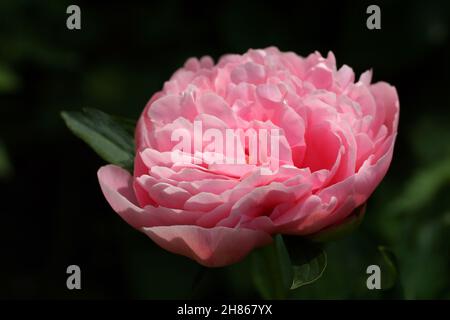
(335, 145)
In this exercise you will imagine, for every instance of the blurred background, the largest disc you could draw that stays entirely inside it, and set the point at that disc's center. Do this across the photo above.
(53, 213)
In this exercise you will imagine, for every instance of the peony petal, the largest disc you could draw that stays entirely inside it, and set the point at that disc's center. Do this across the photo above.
(166, 109)
(345, 76)
(269, 92)
(366, 77)
(387, 99)
(317, 156)
(168, 195)
(213, 104)
(203, 201)
(216, 186)
(215, 247)
(321, 76)
(116, 184)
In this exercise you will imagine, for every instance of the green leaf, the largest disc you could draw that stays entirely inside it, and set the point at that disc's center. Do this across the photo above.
(9, 81)
(388, 267)
(287, 264)
(103, 133)
(421, 188)
(271, 269)
(309, 261)
(341, 229)
(128, 124)
(5, 164)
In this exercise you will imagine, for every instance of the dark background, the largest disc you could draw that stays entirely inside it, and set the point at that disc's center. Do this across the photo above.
(54, 215)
